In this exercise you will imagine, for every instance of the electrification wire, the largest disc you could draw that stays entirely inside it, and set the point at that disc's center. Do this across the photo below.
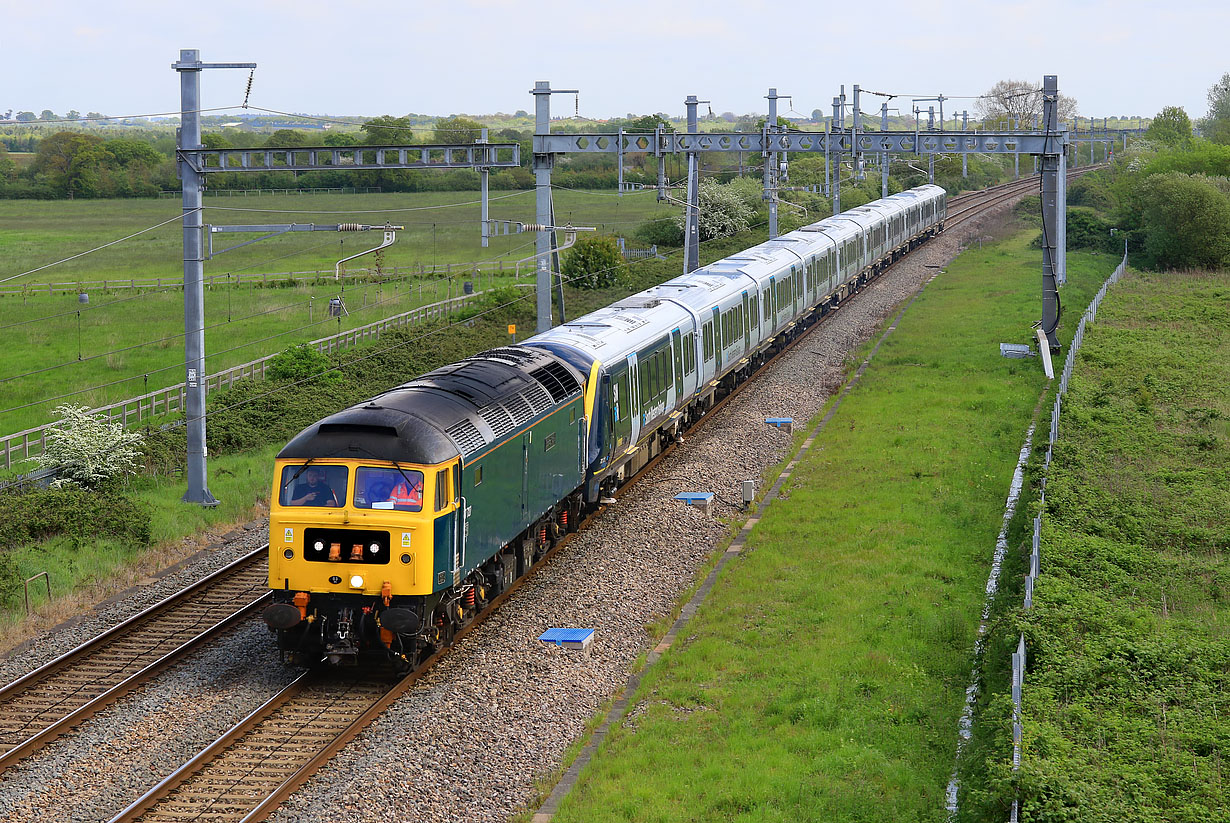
(291, 331)
(179, 335)
(100, 248)
(103, 118)
(319, 119)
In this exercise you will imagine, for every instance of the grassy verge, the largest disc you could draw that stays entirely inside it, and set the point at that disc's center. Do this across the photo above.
(1125, 697)
(86, 568)
(824, 676)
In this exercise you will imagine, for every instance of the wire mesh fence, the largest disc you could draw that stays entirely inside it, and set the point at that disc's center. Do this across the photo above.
(1035, 554)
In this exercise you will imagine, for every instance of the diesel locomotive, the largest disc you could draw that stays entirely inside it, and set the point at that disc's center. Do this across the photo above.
(395, 521)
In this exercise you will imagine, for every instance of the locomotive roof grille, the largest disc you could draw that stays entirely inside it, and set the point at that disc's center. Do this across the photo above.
(467, 436)
(499, 419)
(519, 408)
(557, 380)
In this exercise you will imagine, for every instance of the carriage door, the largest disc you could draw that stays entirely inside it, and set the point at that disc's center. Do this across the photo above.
(526, 440)
(718, 342)
(747, 322)
(677, 345)
(770, 302)
(634, 397)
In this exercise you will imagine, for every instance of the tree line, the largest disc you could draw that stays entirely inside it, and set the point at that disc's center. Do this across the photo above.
(1167, 196)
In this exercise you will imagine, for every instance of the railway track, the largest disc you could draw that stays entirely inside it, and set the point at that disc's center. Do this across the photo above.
(967, 206)
(247, 773)
(51, 700)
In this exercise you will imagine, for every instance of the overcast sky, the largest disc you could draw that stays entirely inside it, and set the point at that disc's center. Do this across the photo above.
(482, 56)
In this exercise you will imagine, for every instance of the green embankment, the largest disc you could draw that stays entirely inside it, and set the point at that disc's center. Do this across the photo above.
(824, 676)
(1127, 694)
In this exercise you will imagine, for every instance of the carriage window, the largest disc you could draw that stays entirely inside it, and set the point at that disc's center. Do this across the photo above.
(689, 354)
(478, 476)
(308, 485)
(381, 488)
(707, 340)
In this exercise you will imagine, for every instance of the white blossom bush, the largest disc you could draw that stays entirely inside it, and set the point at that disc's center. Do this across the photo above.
(722, 211)
(87, 450)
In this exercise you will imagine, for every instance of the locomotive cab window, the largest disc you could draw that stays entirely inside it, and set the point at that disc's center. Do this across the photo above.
(383, 488)
(308, 485)
(443, 489)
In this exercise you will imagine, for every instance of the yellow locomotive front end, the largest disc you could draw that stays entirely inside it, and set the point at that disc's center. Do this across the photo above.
(351, 556)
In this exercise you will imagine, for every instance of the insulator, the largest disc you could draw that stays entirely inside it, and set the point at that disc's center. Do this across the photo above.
(533, 227)
(350, 227)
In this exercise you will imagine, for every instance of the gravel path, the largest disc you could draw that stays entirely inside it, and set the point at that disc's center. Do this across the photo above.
(470, 740)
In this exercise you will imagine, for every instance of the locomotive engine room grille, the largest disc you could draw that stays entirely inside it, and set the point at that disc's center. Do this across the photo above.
(346, 546)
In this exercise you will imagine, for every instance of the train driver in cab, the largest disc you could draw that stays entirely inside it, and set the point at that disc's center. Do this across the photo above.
(313, 490)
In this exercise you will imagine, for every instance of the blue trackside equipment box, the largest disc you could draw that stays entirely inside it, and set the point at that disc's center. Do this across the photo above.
(569, 638)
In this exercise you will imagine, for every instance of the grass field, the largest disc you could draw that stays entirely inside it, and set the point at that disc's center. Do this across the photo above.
(68, 352)
(71, 351)
(441, 227)
(1125, 698)
(823, 677)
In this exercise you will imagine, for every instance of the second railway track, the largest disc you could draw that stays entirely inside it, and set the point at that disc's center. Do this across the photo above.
(51, 700)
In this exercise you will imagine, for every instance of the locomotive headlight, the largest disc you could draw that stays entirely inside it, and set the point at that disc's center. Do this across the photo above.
(356, 581)
(288, 554)
(318, 546)
(374, 548)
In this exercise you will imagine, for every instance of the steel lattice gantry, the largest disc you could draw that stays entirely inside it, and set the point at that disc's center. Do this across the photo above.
(1050, 144)
(356, 158)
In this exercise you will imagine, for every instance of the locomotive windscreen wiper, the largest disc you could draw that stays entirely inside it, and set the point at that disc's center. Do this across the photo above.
(295, 476)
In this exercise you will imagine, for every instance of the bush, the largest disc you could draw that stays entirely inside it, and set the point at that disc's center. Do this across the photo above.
(88, 451)
(723, 210)
(37, 515)
(301, 362)
(1186, 222)
(594, 263)
(660, 232)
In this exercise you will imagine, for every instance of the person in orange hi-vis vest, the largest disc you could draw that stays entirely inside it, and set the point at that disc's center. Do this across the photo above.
(407, 493)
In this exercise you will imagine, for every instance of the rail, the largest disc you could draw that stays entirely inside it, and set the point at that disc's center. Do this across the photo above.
(29, 443)
(1035, 554)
